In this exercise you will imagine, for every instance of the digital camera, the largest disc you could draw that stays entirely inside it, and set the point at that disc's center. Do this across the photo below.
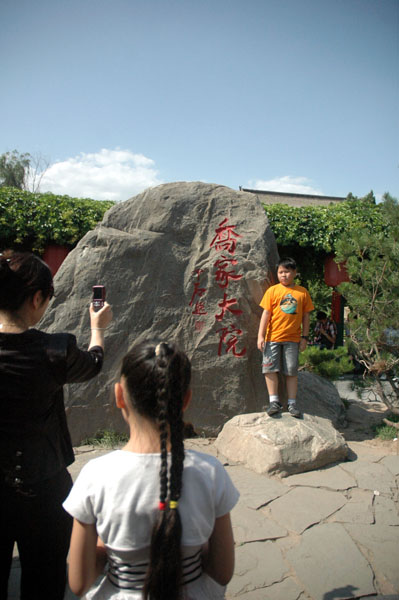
(98, 296)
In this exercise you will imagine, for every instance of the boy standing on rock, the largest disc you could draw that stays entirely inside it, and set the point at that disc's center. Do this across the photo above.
(283, 332)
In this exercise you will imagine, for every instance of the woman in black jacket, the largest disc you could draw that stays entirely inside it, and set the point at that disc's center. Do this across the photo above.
(35, 445)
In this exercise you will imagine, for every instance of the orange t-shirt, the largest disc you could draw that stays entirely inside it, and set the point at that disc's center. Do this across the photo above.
(287, 305)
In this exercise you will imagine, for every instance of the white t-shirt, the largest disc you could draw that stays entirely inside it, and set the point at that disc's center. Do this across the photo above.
(119, 492)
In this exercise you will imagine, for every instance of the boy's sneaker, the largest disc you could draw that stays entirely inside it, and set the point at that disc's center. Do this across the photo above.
(274, 408)
(294, 412)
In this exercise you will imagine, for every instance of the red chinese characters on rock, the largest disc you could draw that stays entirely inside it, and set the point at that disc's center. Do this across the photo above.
(228, 336)
(199, 306)
(199, 325)
(222, 275)
(225, 242)
(226, 305)
(225, 238)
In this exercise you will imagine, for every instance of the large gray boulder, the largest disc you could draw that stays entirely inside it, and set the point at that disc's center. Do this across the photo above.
(319, 397)
(187, 262)
(283, 445)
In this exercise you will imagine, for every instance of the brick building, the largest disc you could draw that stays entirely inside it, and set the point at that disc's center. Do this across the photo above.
(293, 199)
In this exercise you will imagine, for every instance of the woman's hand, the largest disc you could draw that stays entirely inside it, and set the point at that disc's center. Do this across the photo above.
(102, 318)
(99, 322)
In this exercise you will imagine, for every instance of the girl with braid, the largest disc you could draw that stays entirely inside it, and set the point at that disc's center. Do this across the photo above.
(152, 519)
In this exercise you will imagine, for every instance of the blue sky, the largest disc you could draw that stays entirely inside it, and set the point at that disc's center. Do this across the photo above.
(118, 95)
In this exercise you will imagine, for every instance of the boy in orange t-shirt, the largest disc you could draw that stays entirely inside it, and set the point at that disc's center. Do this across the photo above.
(286, 311)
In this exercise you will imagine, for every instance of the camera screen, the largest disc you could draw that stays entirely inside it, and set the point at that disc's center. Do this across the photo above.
(98, 292)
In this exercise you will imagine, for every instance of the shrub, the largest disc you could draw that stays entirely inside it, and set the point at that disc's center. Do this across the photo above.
(387, 432)
(31, 221)
(329, 364)
(106, 439)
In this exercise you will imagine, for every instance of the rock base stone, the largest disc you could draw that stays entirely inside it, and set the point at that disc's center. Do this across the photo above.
(281, 445)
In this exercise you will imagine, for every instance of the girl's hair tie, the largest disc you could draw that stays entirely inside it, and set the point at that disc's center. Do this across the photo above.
(173, 504)
(162, 505)
(158, 348)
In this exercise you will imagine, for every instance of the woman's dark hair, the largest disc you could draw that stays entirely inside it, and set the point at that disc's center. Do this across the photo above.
(288, 263)
(22, 274)
(157, 378)
(321, 315)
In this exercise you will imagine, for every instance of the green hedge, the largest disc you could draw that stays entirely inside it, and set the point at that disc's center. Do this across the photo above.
(32, 221)
(319, 227)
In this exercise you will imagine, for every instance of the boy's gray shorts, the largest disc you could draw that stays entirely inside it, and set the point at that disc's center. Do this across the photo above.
(280, 356)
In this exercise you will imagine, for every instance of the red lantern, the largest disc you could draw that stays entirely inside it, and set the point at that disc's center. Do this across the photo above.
(334, 273)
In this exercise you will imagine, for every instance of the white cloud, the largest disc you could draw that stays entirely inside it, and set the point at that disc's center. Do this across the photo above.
(105, 175)
(292, 185)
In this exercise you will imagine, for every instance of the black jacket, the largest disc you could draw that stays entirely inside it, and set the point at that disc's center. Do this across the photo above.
(35, 443)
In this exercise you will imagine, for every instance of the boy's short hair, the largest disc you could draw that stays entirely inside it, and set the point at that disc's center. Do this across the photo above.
(321, 315)
(288, 263)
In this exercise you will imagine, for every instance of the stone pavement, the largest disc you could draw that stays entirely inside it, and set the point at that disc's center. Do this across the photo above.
(327, 534)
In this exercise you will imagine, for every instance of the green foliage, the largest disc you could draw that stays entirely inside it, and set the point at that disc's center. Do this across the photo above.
(319, 227)
(31, 221)
(329, 364)
(372, 262)
(14, 168)
(321, 296)
(387, 432)
(106, 439)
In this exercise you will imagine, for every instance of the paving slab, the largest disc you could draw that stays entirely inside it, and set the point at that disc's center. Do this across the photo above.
(287, 589)
(386, 512)
(358, 509)
(382, 549)
(332, 478)
(330, 565)
(284, 590)
(258, 565)
(14, 580)
(392, 463)
(250, 525)
(256, 490)
(371, 475)
(369, 452)
(303, 507)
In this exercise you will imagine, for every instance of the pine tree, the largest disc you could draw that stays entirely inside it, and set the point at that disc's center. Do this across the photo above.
(372, 261)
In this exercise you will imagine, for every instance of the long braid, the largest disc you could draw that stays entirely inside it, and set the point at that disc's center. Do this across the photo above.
(162, 404)
(164, 576)
(176, 431)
